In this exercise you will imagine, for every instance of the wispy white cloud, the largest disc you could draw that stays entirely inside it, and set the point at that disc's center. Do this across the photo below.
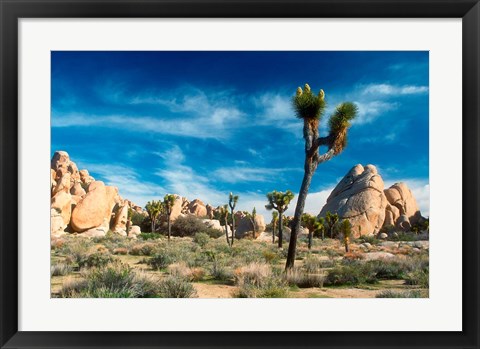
(130, 184)
(251, 174)
(388, 89)
(368, 111)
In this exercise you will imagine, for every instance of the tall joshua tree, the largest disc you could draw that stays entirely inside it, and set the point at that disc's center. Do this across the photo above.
(232, 202)
(331, 220)
(346, 229)
(279, 201)
(310, 108)
(154, 208)
(274, 224)
(223, 211)
(168, 202)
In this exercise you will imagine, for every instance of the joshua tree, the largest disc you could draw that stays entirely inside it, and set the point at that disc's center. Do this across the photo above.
(312, 224)
(346, 229)
(331, 220)
(252, 217)
(274, 224)
(279, 201)
(310, 108)
(321, 227)
(232, 202)
(168, 202)
(223, 211)
(154, 208)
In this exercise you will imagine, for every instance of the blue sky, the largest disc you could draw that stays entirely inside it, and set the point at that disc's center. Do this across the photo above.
(202, 124)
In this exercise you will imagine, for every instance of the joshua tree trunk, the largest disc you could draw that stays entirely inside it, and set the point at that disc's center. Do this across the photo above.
(169, 226)
(280, 229)
(153, 225)
(310, 238)
(302, 196)
(273, 233)
(233, 229)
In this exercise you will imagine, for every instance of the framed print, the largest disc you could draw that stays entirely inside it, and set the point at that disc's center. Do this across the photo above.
(242, 174)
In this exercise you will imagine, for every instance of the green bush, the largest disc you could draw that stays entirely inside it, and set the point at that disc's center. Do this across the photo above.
(298, 277)
(96, 259)
(115, 280)
(395, 294)
(150, 236)
(189, 226)
(60, 269)
(161, 260)
(272, 287)
(176, 287)
(201, 239)
(142, 249)
(418, 277)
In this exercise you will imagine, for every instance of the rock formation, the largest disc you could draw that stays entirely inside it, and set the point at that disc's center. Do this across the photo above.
(245, 228)
(360, 197)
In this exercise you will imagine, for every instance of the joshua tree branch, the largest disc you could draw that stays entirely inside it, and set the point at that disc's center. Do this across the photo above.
(319, 142)
(325, 157)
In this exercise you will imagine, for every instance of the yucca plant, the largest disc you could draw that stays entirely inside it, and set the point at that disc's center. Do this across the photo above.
(223, 212)
(313, 224)
(274, 224)
(168, 202)
(232, 202)
(345, 228)
(331, 220)
(154, 208)
(279, 201)
(310, 108)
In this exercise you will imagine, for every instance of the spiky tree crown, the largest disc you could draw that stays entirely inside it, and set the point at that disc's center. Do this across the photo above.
(279, 200)
(308, 105)
(345, 228)
(153, 208)
(339, 123)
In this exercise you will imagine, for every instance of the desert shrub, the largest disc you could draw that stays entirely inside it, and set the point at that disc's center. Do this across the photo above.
(271, 287)
(354, 256)
(137, 218)
(56, 243)
(115, 280)
(96, 259)
(142, 249)
(312, 264)
(371, 239)
(396, 294)
(271, 256)
(76, 249)
(255, 274)
(120, 250)
(176, 287)
(248, 251)
(300, 278)
(60, 269)
(213, 233)
(150, 236)
(182, 270)
(403, 236)
(351, 274)
(201, 239)
(161, 260)
(388, 269)
(418, 277)
(188, 226)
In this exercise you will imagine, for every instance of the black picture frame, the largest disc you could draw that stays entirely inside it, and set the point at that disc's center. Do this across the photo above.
(12, 11)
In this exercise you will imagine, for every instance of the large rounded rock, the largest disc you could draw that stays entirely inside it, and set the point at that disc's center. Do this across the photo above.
(197, 208)
(245, 226)
(401, 197)
(177, 208)
(77, 189)
(121, 218)
(62, 203)
(91, 211)
(214, 224)
(359, 198)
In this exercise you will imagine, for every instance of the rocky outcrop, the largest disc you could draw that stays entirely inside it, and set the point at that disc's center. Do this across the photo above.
(245, 227)
(81, 205)
(360, 197)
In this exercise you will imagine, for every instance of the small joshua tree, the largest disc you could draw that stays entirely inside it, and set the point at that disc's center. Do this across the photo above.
(154, 208)
(279, 201)
(232, 202)
(168, 202)
(252, 217)
(321, 227)
(331, 220)
(345, 229)
(310, 107)
(312, 224)
(274, 224)
(223, 211)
